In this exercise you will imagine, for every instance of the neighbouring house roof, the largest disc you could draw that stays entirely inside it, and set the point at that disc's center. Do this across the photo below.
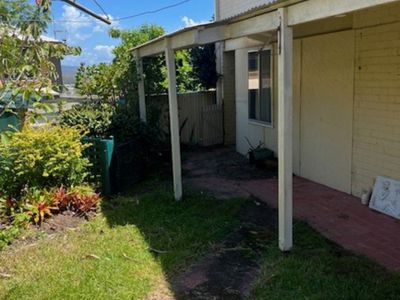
(43, 38)
(255, 8)
(47, 39)
(17, 34)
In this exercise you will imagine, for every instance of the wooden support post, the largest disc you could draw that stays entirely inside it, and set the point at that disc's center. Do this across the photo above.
(141, 91)
(174, 119)
(285, 132)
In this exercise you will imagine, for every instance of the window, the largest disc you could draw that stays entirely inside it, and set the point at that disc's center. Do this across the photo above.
(260, 86)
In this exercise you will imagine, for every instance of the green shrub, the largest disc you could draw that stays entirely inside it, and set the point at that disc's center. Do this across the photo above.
(42, 158)
(92, 117)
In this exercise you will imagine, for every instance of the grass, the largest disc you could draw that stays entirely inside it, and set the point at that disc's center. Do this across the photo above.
(318, 269)
(137, 244)
(129, 250)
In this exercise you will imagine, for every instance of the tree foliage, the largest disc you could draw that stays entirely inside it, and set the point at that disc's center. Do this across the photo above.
(26, 71)
(127, 76)
(196, 69)
(203, 60)
(99, 80)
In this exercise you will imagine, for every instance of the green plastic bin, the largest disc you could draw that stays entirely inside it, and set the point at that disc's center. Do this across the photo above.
(8, 120)
(100, 155)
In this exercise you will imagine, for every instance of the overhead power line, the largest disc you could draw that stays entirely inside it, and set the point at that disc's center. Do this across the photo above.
(117, 19)
(88, 11)
(101, 7)
(153, 11)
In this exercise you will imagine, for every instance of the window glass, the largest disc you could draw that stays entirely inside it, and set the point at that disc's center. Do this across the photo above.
(260, 86)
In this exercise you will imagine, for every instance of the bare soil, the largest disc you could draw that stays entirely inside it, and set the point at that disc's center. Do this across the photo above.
(230, 271)
(57, 224)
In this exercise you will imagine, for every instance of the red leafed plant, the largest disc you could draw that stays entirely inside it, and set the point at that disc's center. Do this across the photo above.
(86, 203)
(81, 200)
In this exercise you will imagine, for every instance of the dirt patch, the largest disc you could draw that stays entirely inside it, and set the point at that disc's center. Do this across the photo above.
(230, 272)
(219, 172)
(60, 223)
(57, 224)
(223, 162)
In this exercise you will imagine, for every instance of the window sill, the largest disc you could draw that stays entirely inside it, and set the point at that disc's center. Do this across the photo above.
(261, 123)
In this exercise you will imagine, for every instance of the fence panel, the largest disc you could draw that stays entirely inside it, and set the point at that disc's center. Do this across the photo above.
(191, 119)
(212, 125)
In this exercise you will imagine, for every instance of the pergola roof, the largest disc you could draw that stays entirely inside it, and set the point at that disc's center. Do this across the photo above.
(253, 22)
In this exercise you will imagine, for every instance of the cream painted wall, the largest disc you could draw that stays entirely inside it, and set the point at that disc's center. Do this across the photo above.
(327, 109)
(373, 104)
(246, 129)
(258, 132)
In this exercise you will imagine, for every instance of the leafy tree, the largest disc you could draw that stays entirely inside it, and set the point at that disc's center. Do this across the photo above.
(153, 67)
(184, 72)
(26, 72)
(195, 69)
(98, 80)
(126, 78)
(203, 60)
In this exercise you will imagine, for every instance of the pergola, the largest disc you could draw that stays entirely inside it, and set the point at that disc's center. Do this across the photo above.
(276, 19)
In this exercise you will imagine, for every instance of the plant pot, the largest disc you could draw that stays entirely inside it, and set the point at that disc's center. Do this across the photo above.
(258, 155)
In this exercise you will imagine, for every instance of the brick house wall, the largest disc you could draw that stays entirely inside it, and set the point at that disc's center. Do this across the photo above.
(376, 137)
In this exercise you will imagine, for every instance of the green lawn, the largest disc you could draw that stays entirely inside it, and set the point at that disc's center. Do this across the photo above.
(120, 254)
(318, 269)
(137, 244)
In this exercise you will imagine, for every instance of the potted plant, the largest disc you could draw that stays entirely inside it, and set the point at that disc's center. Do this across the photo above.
(258, 153)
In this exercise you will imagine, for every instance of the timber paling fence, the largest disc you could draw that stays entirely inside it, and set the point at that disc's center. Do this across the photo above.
(200, 117)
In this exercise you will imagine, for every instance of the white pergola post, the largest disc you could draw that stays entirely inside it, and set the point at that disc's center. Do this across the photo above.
(285, 132)
(141, 91)
(174, 119)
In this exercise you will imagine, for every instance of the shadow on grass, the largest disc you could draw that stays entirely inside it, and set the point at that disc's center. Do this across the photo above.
(177, 233)
(181, 233)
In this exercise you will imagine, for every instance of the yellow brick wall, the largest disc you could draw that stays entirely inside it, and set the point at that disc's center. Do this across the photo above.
(376, 140)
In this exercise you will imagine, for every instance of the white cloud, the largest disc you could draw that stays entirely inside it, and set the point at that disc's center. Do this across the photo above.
(80, 26)
(105, 50)
(73, 19)
(190, 22)
(91, 56)
(103, 27)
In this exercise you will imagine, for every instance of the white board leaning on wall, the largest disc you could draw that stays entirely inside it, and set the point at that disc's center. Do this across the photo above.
(386, 197)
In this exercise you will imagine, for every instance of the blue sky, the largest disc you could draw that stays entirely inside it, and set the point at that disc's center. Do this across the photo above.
(79, 29)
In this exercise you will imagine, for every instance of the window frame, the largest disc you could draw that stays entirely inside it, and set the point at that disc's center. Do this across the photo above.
(258, 51)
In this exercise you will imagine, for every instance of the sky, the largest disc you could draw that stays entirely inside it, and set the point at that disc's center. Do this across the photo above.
(79, 29)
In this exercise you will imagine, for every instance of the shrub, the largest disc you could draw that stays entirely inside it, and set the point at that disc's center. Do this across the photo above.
(92, 117)
(42, 158)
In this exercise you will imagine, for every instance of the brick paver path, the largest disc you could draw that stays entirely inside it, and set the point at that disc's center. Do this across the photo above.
(340, 217)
